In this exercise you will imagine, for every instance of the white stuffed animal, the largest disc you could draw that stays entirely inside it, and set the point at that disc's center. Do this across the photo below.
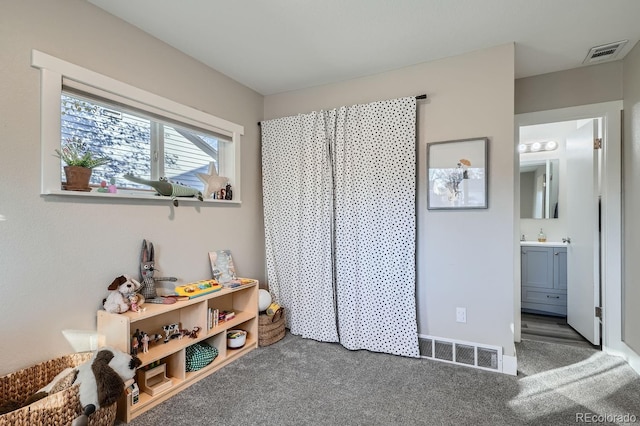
(122, 290)
(102, 380)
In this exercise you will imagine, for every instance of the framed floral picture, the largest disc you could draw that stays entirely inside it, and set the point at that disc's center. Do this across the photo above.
(457, 173)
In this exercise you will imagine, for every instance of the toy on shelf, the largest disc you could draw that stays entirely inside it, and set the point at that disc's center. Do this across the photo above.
(155, 380)
(122, 291)
(170, 331)
(147, 270)
(140, 340)
(173, 331)
(198, 288)
(168, 189)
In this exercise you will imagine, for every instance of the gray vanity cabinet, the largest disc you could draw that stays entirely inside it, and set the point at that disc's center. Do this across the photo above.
(544, 279)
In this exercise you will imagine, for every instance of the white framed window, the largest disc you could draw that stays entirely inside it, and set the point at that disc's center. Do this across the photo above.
(143, 134)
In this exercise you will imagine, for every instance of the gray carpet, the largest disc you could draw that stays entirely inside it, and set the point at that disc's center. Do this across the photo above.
(300, 382)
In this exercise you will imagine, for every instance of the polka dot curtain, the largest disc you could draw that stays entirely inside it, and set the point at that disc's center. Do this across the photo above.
(339, 202)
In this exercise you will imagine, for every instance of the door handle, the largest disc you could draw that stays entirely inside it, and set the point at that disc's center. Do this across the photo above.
(567, 240)
(552, 297)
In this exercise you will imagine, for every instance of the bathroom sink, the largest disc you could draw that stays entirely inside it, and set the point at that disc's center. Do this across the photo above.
(546, 243)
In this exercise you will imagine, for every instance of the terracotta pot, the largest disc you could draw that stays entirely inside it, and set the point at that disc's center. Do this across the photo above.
(77, 178)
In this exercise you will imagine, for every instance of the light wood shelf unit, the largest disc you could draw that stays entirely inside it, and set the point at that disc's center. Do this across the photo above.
(118, 330)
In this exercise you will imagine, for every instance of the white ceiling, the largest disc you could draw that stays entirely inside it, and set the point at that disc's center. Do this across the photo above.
(280, 45)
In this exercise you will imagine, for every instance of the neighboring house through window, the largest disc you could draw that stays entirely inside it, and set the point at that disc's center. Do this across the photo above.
(142, 134)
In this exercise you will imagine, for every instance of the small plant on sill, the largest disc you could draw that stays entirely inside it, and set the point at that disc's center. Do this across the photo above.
(76, 153)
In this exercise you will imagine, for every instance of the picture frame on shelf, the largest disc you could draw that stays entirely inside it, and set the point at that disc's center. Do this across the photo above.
(222, 266)
(457, 174)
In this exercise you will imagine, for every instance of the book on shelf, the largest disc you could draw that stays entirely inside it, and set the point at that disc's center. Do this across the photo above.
(226, 315)
(222, 266)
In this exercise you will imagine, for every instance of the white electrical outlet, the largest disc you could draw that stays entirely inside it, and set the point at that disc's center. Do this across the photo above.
(461, 314)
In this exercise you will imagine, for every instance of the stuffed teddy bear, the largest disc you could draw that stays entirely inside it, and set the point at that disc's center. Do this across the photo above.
(122, 291)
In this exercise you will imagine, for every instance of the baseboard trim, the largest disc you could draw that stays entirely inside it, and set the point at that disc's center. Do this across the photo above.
(626, 353)
(510, 364)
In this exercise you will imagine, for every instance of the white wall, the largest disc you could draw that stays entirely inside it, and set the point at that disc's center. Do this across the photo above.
(465, 258)
(58, 255)
(631, 286)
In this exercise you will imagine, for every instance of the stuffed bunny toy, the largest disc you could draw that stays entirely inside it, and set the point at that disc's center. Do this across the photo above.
(147, 268)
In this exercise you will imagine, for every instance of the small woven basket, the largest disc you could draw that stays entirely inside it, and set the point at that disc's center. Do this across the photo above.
(59, 408)
(270, 328)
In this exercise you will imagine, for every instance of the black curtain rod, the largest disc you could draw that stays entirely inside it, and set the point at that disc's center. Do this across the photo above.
(417, 98)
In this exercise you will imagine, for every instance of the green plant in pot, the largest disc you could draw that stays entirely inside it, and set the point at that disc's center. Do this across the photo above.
(79, 162)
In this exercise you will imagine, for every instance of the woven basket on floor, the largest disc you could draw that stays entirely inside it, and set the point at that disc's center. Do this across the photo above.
(59, 408)
(270, 329)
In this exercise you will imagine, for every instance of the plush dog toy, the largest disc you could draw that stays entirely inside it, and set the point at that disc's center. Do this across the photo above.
(101, 382)
(122, 291)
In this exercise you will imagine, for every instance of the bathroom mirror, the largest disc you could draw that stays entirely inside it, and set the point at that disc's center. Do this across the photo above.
(539, 185)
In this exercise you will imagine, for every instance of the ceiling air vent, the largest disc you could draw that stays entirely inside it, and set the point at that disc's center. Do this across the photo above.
(606, 52)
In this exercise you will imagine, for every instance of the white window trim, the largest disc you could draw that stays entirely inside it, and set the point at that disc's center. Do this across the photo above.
(52, 72)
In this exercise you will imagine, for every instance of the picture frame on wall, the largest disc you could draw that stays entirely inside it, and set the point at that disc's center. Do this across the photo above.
(457, 173)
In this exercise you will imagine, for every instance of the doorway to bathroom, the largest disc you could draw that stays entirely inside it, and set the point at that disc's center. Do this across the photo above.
(569, 200)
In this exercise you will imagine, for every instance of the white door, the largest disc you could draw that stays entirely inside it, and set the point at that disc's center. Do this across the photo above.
(583, 253)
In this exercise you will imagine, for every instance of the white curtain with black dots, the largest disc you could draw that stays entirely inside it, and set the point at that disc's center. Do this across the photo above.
(374, 163)
(339, 205)
(297, 198)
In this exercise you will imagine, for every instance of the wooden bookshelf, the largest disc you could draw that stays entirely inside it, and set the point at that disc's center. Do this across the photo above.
(118, 330)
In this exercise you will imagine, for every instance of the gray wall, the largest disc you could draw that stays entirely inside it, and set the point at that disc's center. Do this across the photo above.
(579, 86)
(631, 286)
(465, 258)
(58, 255)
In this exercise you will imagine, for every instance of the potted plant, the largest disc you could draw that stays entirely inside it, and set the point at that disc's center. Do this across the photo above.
(79, 164)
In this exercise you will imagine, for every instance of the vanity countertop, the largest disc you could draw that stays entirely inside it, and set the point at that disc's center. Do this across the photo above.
(546, 243)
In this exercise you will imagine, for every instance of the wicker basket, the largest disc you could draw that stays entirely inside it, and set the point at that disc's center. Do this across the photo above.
(270, 329)
(59, 408)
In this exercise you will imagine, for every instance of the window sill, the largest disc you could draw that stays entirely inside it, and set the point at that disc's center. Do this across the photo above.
(136, 195)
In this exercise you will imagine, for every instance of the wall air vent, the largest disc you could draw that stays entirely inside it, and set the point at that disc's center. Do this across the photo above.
(605, 52)
(469, 354)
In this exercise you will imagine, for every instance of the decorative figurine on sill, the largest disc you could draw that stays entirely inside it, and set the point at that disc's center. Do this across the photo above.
(166, 188)
(113, 189)
(212, 182)
(103, 187)
(147, 268)
(228, 194)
